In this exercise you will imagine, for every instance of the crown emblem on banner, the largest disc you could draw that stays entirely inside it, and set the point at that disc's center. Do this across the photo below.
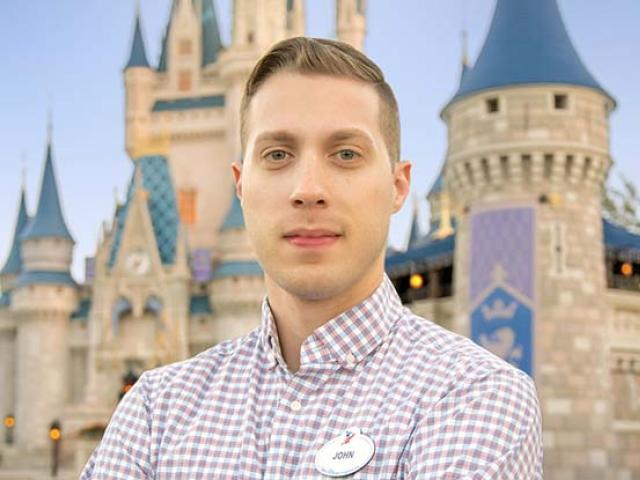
(499, 310)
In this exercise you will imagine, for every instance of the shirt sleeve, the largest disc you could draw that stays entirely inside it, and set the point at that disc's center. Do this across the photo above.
(124, 452)
(489, 428)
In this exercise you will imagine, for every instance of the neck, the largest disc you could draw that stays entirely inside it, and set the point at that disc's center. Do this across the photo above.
(297, 318)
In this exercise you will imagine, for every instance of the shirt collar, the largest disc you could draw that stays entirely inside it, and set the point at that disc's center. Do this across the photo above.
(346, 339)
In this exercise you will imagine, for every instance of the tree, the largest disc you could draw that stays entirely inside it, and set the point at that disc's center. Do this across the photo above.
(622, 206)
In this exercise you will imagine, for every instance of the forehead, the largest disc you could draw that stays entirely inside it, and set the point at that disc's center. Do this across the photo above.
(313, 104)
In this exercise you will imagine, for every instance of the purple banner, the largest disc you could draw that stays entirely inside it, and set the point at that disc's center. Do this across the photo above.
(201, 265)
(502, 284)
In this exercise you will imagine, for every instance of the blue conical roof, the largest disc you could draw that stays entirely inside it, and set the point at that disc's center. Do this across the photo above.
(211, 40)
(13, 264)
(48, 220)
(138, 57)
(235, 217)
(527, 44)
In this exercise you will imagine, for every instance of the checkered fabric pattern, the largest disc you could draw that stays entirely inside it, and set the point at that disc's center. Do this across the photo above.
(436, 405)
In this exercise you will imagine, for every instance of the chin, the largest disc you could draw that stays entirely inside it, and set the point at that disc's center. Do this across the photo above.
(312, 282)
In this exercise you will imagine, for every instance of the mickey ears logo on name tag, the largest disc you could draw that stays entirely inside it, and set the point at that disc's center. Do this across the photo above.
(345, 454)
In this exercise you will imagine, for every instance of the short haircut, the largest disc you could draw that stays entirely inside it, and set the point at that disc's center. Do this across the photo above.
(319, 56)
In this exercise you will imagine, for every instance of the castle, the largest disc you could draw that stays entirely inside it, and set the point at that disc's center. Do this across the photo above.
(518, 255)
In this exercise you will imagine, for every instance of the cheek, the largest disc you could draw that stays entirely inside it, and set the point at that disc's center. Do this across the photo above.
(371, 207)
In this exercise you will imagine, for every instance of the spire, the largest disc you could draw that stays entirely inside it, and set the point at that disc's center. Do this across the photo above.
(527, 44)
(415, 232)
(13, 265)
(211, 42)
(138, 57)
(464, 71)
(48, 220)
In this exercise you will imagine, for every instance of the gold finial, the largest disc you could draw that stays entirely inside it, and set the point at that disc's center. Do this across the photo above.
(465, 48)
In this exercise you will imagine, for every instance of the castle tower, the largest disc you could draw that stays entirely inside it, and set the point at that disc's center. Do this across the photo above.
(351, 22)
(258, 24)
(181, 103)
(43, 298)
(528, 155)
(138, 78)
(8, 274)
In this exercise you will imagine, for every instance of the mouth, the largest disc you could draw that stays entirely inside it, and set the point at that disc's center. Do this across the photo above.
(310, 238)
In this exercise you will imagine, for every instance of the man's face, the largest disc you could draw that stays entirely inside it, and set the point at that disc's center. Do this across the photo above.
(316, 183)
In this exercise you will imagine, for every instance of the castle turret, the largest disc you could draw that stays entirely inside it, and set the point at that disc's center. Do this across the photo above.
(42, 301)
(351, 22)
(527, 160)
(138, 79)
(258, 24)
(8, 274)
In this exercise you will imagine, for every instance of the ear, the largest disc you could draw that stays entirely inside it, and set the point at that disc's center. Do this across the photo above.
(401, 184)
(236, 171)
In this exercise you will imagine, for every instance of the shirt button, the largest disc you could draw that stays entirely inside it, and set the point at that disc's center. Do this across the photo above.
(351, 359)
(296, 406)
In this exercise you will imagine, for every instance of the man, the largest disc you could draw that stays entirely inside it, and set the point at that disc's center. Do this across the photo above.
(339, 379)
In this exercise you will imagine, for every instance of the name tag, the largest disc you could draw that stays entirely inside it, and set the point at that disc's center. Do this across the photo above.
(345, 454)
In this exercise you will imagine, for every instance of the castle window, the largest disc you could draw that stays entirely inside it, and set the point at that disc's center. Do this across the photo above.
(504, 166)
(485, 170)
(184, 81)
(560, 101)
(526, 167)
(548, 165)
(187, 199)
(184, 47)
(586, 167)
(493, 105)
(568, 166)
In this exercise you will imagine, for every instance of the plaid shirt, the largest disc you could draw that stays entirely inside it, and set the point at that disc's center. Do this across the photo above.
(436, 406)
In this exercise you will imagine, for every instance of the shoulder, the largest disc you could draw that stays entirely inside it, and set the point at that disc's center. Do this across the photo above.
(453, 363)
(484, 411)
(194, 375)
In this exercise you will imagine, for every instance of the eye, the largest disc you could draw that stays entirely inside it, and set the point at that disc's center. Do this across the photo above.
(277, 155)
(347, 154)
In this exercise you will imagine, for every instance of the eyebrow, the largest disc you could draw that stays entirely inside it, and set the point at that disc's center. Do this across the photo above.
(337, 136)
(275, 136)
(348, 134)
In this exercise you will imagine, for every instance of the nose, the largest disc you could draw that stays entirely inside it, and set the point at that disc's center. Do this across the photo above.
(309, 188)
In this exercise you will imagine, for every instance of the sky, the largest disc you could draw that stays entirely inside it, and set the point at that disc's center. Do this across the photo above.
(67, 57)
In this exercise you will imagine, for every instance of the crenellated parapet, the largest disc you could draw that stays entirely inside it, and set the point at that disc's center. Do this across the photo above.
(529, 139)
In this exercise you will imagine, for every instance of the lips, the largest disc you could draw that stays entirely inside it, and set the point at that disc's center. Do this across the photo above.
(311, 237)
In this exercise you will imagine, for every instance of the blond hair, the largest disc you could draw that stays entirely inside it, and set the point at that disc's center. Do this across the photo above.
(319, 56)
